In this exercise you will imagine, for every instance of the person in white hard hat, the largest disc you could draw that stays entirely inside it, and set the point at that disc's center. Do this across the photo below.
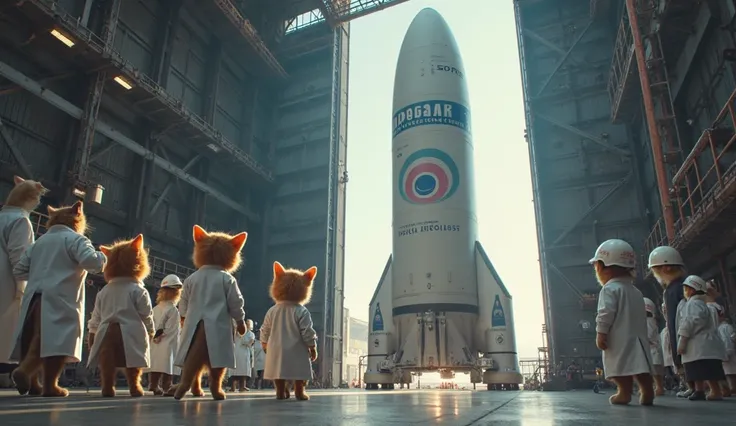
(726, 333)
(167, 323)
(621, 323)
(668, 269)
(699, 346)
(655, 346)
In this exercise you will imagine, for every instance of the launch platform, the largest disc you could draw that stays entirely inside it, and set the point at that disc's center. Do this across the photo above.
(356, 407)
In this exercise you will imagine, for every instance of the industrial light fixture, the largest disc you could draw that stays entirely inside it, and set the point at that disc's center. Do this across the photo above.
(213, 147)
(62, 38)
(121, 81)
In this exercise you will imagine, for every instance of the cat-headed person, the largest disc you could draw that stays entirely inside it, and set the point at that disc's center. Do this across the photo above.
(50, 331)
(210, 300)
(122, 320)
(287, 333)
(16, 235)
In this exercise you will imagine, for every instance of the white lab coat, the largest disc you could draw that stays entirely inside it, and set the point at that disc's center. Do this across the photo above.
(124, 301)
(655, 345)
(16, 235)
(211, 295)
(166, 317)
(259, 356)
(725, 330)
(669, 360)
(696, 324)
(243, 354)
(288, 331)
(621, 315)
(56, 266)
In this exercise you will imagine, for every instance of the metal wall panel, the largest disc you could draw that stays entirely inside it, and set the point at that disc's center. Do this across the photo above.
(187, 77)
(135, 36)
(567, 124)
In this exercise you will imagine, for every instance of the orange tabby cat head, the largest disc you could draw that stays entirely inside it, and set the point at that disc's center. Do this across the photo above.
(71, 216)
(292, 285)
(217, 248)
(127, 258)
(26, 194)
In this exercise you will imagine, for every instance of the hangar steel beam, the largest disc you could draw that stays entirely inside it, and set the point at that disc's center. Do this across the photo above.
(591, 210)
(564, 59)
(15, 152)
(67, 107)
(78, 174)
(595, 139)
(247, 30)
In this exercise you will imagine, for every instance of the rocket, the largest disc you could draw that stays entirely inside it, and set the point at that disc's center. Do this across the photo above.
(439, 306)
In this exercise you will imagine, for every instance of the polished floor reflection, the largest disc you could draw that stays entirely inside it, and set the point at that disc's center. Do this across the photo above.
(358, 408)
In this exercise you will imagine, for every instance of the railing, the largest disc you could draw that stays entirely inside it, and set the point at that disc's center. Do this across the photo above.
(621, 67)
(160, 267)
(704, 185)
(657, 237)
(94, 43)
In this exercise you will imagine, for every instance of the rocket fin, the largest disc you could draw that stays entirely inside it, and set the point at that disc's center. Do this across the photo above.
(495, 334)
(380, 343)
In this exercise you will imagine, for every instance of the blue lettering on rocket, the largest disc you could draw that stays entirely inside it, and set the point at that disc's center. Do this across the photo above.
(431, 112)
(498, 318)
(378, 319)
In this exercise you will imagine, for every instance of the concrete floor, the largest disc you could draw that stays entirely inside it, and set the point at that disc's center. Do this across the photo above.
(358, 408)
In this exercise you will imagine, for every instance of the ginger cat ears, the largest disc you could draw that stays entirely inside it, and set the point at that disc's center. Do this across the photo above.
(279, 271)
(77, 208)
(237, 241)
(18, 180)
(136, 243)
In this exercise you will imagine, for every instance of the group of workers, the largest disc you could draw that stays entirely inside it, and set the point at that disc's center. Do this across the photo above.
(697, 342)
(42, 303)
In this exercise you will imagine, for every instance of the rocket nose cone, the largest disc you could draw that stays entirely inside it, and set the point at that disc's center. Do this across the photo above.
(427, 18)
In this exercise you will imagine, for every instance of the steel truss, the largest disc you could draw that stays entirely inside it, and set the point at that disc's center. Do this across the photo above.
(336, 12)
(70, 109)
(534, 102)
(158, 105)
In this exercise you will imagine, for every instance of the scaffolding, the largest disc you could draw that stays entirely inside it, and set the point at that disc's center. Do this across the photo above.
(644, 26)
(160, 267)
(705, 186)
(336, 12)
(146, 95)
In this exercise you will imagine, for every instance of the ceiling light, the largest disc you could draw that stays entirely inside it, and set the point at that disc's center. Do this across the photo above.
(62, 38)
(213, 147)
(121, 81)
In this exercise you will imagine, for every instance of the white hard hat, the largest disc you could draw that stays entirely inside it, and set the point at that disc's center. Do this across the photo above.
(665, 255)
(615, 252)
(171, 281)
(696, 283)
(649, 305)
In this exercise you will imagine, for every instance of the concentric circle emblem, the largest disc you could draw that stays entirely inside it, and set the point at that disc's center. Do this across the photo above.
(428, 176)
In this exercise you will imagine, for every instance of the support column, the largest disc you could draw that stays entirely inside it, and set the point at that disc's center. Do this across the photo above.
(138, 215)
(200, 198)
(78, 175)
(212, 82)
(165, 41)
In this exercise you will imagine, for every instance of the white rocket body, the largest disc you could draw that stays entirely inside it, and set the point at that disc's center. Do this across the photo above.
(439, 306)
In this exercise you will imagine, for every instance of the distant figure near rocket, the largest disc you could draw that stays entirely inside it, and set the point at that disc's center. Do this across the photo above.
(440, 305)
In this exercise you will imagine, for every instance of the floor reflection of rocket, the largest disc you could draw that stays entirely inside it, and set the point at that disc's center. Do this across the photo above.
(439, 305)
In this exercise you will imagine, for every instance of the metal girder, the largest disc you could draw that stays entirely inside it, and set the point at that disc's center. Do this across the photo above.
(172, 179)
(67, 107)
(566, 280)
(622, 152)
(592, 209)
(247, 30)
(564, 59)
(102, 151)
(87, 129)
(15, 151)
(533, 35)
